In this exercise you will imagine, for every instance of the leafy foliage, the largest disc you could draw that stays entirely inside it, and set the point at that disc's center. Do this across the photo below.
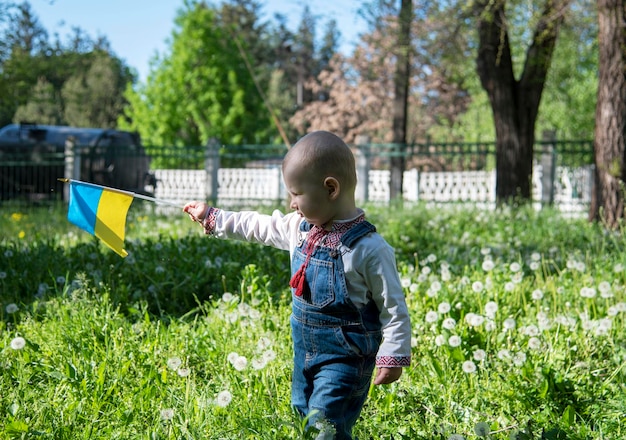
(517, 323)
(203, 90)
(79, 83)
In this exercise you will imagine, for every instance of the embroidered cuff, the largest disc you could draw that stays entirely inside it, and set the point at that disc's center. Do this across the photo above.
(209, 221)
(393, 361)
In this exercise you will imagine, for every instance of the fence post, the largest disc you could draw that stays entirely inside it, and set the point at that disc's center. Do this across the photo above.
(362, 157)
(72, 164)
(212, 166)
(548, 168)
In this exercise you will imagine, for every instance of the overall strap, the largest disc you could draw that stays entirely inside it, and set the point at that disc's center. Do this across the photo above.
(305, 226)
(359, 230)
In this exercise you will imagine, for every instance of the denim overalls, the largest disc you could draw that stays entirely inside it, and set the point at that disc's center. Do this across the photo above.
(335, 344)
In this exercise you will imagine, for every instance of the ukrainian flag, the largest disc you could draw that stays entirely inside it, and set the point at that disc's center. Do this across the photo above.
(101, 211)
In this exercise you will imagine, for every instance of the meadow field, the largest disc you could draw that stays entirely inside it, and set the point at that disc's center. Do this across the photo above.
(518, 330)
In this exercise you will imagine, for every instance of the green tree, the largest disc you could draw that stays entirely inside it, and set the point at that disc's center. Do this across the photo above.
(569, 99)
(609, 140)
(401, 90)
(43, 107)
(515, 102)
(34, 73)
(95, 98)
(201, 89)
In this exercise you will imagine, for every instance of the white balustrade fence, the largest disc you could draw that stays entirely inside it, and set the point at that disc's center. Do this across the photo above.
(250, 186)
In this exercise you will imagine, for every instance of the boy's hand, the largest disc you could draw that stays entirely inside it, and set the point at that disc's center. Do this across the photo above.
(385, 375)
(196, 210)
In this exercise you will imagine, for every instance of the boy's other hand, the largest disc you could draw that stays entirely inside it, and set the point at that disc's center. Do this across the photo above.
(385, 375)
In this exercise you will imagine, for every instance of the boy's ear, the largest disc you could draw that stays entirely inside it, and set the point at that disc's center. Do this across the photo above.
(332, 186)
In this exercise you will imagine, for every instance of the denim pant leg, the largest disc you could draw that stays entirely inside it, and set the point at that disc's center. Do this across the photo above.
(331, 390)
(339, 392)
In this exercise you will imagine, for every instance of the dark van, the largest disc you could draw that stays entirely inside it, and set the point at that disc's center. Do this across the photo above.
(33, 157)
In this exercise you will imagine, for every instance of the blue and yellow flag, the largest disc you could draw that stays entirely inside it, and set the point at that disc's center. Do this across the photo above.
(101, 211)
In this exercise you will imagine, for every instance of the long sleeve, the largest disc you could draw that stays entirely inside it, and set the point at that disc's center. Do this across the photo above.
(372, 274)
(277, 230)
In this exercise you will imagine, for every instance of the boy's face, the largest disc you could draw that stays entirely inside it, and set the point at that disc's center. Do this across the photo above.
(308, 195)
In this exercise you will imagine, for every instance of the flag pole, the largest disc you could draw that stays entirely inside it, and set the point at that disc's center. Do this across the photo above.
(139, 196)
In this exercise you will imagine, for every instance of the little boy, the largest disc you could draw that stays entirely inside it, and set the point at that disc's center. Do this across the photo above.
(348, 310)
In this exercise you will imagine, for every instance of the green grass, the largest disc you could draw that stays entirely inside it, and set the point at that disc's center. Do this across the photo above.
(518, 330)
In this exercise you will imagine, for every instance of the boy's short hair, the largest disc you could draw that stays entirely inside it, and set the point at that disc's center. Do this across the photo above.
(326, 155)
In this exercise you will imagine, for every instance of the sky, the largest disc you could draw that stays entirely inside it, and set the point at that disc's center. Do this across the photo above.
(138, 29)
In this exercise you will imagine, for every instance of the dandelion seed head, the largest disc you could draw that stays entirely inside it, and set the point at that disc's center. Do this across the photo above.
(3, 275)
(224, 398)
(605, 289)
(167, 414)
(587, 292)
(440, 340)
(444, 307)
(405, 282)
(18, 343)
(174, 363)
(42, 289)
(269, 355)
(515, 267)
(534, 343)
(454, 341)
(509, 286)
(469, 367)
(431, 316)
(519, 358)
(264, 343)
(11, 308)
(488, 265)
(509, 324)
(477, 286)
(504, 354)
(183, 372)
(482, 429)
(479, 354)
(491, 308)
(240, 363)
(537, 294)
(449, 323)
(531, 330)
(232, 357)
(517, 278)
(603, 326)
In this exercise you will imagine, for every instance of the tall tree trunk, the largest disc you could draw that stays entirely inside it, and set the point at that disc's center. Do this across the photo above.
(515, 103)
(401, 89)
(609, 145)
